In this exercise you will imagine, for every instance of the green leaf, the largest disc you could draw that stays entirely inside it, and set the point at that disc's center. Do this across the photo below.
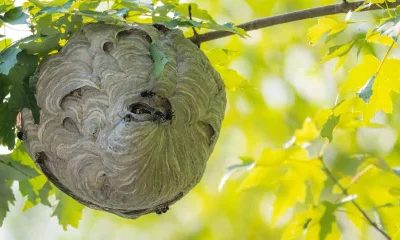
(327, 128)
(99, 16)
(318, 222)
(246, 160)
(162, 15)
(14, 165)
(220, 56)
(163, 10)
(290, 172)
(289, 193)
(4, 44)
(9, 58)
(390, 28)
(246, 165)
(45, 26)
(50, 3)
(38, 188)
(366, 91)
(7, 125)
(394, 191)
(68, 211)
(230, 27)
(56, 9)
(15, 16)
(21, 93)
(159, 59)
(121, 12)
(70, 23)
(15, 171)
(4, 88)
(307, 133)
(19, 154)
(232, 79)
(133, 5)
(183, 9)
(177, 23)
(9, 55)
(26, 189)
(118, 4)
(6, 196)
(325, 25)
(377, 161)
(338, 51)
(327, 220)
(89, 5)
(170, 1)
(5, 5)
(44, 193)
(382, 84)
(41, 45)
(298, 225)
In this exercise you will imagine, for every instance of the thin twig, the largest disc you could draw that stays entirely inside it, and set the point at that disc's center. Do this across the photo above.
(193, 28)
(343, 7)
(344, 191)
(190, 17)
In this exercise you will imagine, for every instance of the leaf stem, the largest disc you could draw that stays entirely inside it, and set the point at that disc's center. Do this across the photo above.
(386, 56)
(344, 191)
(343, 7)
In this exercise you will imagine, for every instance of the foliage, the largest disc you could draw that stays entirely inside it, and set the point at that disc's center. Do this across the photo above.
(300, 179)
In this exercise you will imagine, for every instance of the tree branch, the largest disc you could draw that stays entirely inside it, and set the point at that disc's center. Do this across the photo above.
(343, 7)
(344, 192)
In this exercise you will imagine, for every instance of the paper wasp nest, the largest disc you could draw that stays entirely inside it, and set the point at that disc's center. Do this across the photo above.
(114, 135)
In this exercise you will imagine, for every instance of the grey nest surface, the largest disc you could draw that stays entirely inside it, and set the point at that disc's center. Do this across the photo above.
(114, 135)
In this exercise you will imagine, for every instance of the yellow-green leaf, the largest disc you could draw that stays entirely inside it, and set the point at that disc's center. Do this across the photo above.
(232, 79)
(255, 178)
(338, 51)
(307, 133)
(219, 56)
(5, 43)
(317, 222)
(340, 62)
(290, 173)
(324, 25)
(360, 74)
(68, 211)
(376, 37)
(297, 226)
(395, 191)
(327, 129)
(379, 94)
(291, 190)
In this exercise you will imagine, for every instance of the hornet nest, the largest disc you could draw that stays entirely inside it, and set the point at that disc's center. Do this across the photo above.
(115, 136)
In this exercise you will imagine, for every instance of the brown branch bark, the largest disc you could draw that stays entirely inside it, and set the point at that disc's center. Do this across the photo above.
(343, 7)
